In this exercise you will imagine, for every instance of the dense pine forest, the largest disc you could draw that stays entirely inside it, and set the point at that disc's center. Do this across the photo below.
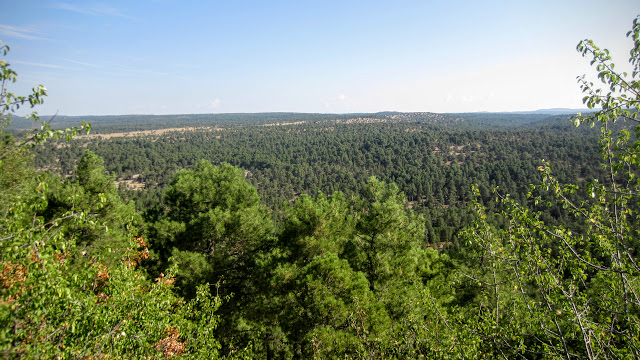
(432, 158)
(292, 235)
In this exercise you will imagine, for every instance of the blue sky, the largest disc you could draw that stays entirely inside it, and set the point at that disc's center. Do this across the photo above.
(175, 57)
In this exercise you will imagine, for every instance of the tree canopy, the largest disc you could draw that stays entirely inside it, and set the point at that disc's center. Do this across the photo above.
(353, 237)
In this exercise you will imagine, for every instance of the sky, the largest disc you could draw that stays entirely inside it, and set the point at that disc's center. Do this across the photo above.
(184, 57)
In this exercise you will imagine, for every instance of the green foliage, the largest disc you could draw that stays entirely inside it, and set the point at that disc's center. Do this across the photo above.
(90, 174)
(64, 296)
(214, 225)
(330, 309)
(59, 300)
(9, 103)
(13, 172)
(208, 187)
(348, 279)
(388, 238)
(547, 273)
(318, 226)
(570, 290)
(49, 308)
(432, 161)
(107, 217)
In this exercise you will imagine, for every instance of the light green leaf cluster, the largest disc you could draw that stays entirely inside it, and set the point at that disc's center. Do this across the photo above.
(9, 103)
(60, 300)
(569, 291)
(70, 286)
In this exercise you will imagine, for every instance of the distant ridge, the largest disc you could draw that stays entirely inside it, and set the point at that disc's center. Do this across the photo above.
(469, 120)
(554, 111)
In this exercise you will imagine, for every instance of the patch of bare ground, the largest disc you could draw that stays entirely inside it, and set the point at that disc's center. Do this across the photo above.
(285, 123)
(441, 246)
(132, 183)
(456, 150)
(412, 203)
(148, 132)
(51, 168)
(361, 120)
(61, 144)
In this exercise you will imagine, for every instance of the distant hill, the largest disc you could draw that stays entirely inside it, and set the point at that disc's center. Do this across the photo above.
(554, 111)
(466, 121)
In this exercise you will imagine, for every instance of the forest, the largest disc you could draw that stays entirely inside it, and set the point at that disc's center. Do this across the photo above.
(432, 158)
(292, 235)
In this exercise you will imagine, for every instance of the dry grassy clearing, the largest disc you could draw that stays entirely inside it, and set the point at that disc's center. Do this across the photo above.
(148, 132)
(133, 183)
(285, 123)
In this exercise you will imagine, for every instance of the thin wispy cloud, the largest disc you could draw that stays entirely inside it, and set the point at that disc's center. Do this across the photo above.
(82, 63)
(95, 9)
(21, 32)
(116, 69)
(125, 72)
(49, 66)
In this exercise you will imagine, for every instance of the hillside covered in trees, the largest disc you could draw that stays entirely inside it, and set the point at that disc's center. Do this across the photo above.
(288, 235)
(432, 158)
